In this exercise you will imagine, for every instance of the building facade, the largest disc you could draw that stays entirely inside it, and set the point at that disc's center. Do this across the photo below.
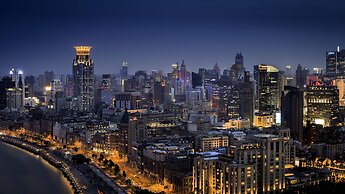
(83, 78)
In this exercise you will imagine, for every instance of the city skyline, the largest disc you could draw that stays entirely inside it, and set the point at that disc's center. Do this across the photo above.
(178, 97)
(153, 35)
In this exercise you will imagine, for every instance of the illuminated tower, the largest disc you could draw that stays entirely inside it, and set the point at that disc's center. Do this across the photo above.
(335, 63)
(83, 78)
(175, 70)
(268, 88)
(322, 103)
(17, 77)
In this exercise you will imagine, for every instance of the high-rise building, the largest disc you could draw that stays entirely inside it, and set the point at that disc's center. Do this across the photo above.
(49, 76)
(30, 82)
(246, 99)
(237, 70)
(322, 104)
(161, 93)
(239, 59)
(83, 78)
(292, 111)
(5, 84)
(335, 63)
(340, 83)
(124, 70)
(268, 88)
(175, 68)
(301, 77)
(19, 90)
(331, 61)
(233, 104)
(196, 80)
(253, 164)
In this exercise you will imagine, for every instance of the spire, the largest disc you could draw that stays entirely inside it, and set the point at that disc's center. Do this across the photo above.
(183, 66)
(216, 66)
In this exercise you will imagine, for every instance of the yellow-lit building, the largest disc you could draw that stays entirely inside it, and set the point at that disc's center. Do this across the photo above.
(254, 164)
(207, 143)
(237, 124)
(263, 120)
(340, 83)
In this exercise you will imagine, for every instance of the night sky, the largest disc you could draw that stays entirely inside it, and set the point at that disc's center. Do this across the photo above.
(39, 35)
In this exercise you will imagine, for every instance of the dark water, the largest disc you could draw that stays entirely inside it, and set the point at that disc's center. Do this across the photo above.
(24, 173)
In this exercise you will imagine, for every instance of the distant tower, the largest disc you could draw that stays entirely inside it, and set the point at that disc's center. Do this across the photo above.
(183, 71)
(237, 70)
(216, 69)
(182, 79)
(301, 76)
(124, 70)
(18, 78)
(335, 63)
(239, 59)
(83, 78)
(174, 72)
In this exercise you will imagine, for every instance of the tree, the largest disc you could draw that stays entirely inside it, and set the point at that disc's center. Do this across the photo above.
(128, 181)
(111, 163)
(80, 159)
(105, 162)
(116, 169)
(101, 157)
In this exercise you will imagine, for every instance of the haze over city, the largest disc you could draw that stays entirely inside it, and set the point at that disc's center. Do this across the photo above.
(154, 34)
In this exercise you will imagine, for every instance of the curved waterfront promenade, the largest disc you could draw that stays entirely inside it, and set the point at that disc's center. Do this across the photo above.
(24, 172)
(83, 178)
(65, 169)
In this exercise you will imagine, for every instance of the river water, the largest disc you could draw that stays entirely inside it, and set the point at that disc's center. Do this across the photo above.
(24, 173)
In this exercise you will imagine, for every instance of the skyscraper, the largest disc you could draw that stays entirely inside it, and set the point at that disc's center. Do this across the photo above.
(83, 78)
(5, 85)
(19, 90)
(49, 76)
(239, 59)
(301, 77)
(30, 82)
(124, 70)
(292, 111)
(237, 70)
(335, 63)
(322, 103)
(268, 88)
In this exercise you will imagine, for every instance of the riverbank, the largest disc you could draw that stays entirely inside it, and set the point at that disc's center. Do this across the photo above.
(60, 165)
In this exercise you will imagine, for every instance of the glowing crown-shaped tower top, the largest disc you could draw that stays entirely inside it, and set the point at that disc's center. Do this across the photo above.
(83, 50)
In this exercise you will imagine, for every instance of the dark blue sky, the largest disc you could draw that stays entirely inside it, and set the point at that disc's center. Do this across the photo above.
(39, 35)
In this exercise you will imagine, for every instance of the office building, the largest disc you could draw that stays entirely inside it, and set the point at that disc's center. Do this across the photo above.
(253, 164)
(83, 78)
(268, 88)
(5, 84)
(292, 111)
(322, 103)
(335, 63)
(237, 69)
(301, 77)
